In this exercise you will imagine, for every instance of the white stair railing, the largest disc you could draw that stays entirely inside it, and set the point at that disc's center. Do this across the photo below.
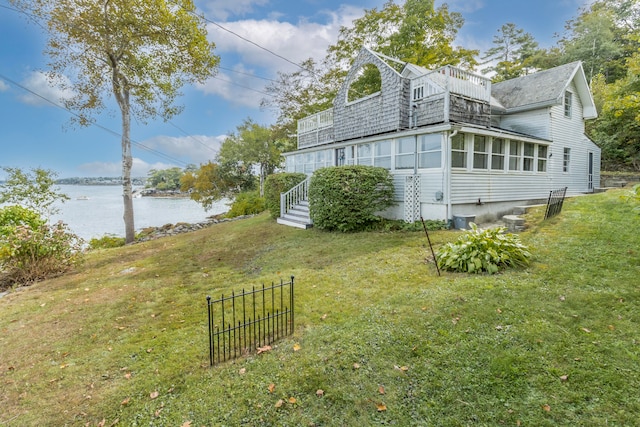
(294, 196)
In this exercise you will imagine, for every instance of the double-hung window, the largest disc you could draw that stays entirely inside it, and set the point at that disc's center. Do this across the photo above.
(458, 151)
(382, 154)
(568, 101)
(566, 158)
(514, 155)
(364, 154)
(528, 154)
(405, 148)
(497, 154)
(543, 151)
(430, 150)
(480, 152)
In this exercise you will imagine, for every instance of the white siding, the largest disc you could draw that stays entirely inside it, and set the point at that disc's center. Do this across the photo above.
(468, 187)
(569, 133)
(534, 123)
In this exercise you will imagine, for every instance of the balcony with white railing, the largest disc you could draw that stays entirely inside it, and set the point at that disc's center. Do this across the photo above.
(316, 129)
(457, 81)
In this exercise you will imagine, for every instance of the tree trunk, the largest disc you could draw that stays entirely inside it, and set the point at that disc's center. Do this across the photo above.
(127, 163)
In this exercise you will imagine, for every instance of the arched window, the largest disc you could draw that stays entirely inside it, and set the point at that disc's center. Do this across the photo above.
(367, 81)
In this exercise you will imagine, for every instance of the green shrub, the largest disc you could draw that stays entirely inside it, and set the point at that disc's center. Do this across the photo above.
(28, 254)
(276, 184)
(633, 196)
(347, 198)
(400, 225)
(15, 216)
(478, 251)
(247, 203)
(106, 242)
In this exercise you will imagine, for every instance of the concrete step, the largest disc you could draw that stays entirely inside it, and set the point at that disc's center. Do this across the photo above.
(521, 210)
(514, 223)
(294, 223)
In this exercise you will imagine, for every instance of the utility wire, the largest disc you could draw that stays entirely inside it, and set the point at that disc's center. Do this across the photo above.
(93, 123)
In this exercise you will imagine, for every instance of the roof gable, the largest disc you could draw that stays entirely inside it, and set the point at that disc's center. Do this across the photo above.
(544, 88)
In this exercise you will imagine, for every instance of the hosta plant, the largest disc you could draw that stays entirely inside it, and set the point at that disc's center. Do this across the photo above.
(478, 251)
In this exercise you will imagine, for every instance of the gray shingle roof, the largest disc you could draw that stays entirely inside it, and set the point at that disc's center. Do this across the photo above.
(543, 87)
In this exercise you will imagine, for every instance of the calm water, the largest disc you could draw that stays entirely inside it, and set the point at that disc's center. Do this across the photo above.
(101, 213)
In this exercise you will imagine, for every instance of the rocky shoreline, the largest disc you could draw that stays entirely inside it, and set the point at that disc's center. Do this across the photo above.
(152, 233)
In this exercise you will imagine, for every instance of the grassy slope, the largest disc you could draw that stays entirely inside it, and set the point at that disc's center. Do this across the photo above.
(489, 350)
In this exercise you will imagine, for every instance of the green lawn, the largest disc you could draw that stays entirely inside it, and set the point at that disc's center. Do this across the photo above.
(123, 340)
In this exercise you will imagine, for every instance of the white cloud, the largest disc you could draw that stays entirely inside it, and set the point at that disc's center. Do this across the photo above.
(277, 39)
(222, 9)
(45, 91)
(195, 148)
(3, 86)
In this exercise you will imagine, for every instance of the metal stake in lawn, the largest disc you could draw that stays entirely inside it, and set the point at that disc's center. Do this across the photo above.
(435, 260)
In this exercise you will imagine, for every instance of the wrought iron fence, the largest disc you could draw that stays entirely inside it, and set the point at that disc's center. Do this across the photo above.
(244, 322)
(554, 204)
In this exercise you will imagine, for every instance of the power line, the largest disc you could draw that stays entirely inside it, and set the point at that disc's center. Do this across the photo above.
(93, 123)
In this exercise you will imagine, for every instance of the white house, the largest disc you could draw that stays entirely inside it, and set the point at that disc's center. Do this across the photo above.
(455, 143)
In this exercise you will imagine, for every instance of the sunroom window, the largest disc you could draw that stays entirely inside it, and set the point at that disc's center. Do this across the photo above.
(497, 154)
(528, 153)
(514, 156)
(458, 151)
(430, 150)
(480, 152)
(405, 148)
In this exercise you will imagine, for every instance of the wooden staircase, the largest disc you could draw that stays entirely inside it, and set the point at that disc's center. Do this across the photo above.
(297, 216)
(294, 207)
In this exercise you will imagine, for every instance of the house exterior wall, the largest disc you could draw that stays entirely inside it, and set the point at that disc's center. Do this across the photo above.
(466, 110)
(568, 132)
(533, 122)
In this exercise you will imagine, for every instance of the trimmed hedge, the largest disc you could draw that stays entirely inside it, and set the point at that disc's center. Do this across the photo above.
(346, 198)
(276, 184)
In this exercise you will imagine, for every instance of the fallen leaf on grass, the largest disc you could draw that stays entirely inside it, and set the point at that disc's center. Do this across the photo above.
(128, 375)
(324, 316)
(292, 400)
(586, 330)
(102, 423)
(356, 366)
(272, 387)
(242, 371)
(186, 424)
(279, 403)
(611, 327)
(381, 389)
(264, 349)
(296, 347)
(546, 408)
(564, 377)
(381, 407)
(126, 401)
(149, 350)
(401, 368)
(154, 394)
(320, 393)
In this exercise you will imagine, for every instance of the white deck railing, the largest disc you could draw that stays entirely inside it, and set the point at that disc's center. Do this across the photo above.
(294, 196)
(458, 81)
(321, 120)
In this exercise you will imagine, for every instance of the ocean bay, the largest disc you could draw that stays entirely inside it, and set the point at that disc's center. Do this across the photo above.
(96, 210)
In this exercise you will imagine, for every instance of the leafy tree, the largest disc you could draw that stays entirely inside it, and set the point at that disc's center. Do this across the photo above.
(212, 182)
(252, 145)
(165, 179)
(35, 190)
(512, 54)
(415, 32)
(139, 52)
(617, 130)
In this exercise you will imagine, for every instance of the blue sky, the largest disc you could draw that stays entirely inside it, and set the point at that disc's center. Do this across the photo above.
(33, 133)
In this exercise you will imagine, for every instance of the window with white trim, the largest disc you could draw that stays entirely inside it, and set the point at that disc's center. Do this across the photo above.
(568, 101)
(364, 154)
(514, 155)
(458, 151)
(480, 152)
(528, 154)
(497, 154)
(430, 151)
(405, 153)
(382, 154)
(543, 151)
(566, 158)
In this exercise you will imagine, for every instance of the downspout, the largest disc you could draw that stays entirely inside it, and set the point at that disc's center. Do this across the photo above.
(446, 170)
